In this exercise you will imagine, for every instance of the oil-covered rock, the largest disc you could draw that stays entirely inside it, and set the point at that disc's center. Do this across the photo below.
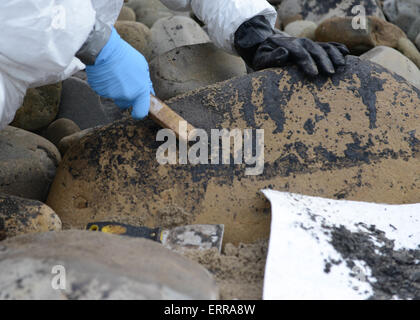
(351, 136)
(22, 216)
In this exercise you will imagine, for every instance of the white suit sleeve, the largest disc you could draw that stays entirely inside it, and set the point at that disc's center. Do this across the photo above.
(38, 43)
(178, 5)
(224, 17)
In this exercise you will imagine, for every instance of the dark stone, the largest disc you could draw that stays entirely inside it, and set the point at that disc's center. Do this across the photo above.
(82, 105)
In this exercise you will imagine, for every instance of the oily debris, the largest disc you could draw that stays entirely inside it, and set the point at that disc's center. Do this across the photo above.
(239, 270)
(173, 216)
(397, 272)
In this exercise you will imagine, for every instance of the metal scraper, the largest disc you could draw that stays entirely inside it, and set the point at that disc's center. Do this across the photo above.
(198, 236)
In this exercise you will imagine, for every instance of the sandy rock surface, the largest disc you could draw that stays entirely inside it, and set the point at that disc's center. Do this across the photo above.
(349, 137)
(20, 216)
(239, 270)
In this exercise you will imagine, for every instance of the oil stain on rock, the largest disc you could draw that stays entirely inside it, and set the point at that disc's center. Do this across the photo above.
(359, 144)
(21, 216)
(396, 272)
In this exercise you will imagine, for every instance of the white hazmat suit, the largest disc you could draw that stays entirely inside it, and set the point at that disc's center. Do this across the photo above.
(40, 38)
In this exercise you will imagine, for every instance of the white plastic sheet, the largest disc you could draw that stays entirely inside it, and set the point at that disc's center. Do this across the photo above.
(300, 245)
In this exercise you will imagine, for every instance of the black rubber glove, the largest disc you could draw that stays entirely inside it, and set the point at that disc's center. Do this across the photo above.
(261, 47)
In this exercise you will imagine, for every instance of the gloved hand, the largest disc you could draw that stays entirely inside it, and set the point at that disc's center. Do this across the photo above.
(261, 47)
(121, 73)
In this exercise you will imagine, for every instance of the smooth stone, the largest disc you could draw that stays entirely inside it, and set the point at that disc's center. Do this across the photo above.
(127, 14)
(67, 142)
(405, 14)
(377, 33)
(173, 32)
(352, 136)
(39, 108)
(301, 29)
(191, 67)
(409, 50)
(112, 110)
(418, 42)
(149, 11)
(59, 129)
(82, 105)
(98, 266)
(80, 75)
(20, 216)
(28, 164)
(136, 34)
(394, 61)
(289, 12)
(320, 10)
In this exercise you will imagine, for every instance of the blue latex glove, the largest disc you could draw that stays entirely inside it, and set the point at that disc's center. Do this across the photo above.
(122, 74)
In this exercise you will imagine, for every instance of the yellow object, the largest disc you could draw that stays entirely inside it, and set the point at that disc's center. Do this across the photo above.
(94, 228)
(114, 229)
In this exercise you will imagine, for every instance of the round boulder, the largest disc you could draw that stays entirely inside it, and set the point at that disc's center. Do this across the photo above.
(149, 11)
(39, 109)
(394, 61)
(377, 33)
(136, 34)
(59, 129)
(301, 29)
(191, 67)
(173, 32)
(127, 14)
(21, 216)
(65, 143)
(85, 265)
(352, 136)
(405, 14)
(27, 164)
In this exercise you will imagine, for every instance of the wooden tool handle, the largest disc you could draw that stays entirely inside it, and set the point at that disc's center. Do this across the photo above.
(168, 119)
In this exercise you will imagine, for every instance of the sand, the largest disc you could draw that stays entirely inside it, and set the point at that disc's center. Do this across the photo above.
(239, 270)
